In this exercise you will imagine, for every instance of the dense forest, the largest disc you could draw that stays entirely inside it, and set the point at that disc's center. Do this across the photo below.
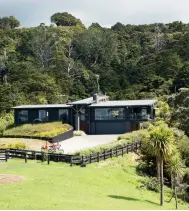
(66, 61)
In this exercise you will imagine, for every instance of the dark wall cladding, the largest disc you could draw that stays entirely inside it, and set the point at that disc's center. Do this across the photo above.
(53, 115)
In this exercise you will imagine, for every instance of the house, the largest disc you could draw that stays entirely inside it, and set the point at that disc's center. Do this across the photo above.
(94, 115)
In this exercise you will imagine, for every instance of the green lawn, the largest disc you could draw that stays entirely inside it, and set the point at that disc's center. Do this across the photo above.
(112, 184)
(38, 130)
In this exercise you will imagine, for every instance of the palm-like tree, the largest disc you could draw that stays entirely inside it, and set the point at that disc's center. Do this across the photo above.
(175, 168)
(161, 145)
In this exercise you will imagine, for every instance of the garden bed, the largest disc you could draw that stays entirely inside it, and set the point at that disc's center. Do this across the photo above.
(40, 131)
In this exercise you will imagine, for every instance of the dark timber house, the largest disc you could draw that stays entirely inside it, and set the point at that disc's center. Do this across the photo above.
(94, 115)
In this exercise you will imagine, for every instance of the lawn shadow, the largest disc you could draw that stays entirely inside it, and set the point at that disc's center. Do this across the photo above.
(151, 202)
(131, 199)
(123, 197)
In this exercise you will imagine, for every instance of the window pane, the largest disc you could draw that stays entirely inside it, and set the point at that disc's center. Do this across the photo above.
(109, 114)
(23, 116)
(82, 114)
(63, 115)
(43, 115)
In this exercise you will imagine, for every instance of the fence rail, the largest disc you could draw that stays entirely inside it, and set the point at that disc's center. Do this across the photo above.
(72, 159)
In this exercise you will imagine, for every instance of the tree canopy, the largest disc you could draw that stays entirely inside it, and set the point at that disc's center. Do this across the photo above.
(64, 19)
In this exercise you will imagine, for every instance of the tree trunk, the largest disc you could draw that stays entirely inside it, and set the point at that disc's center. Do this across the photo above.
(175, 189)
(158, 167)
(161, 183)
(172, 182)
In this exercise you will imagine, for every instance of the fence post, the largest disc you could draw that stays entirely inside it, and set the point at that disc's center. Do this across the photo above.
(127, 149)
(90, 158)
(116, 151)
(98, 158)
(25, 157)
(122, 151)
(34, 155)
(43, 156)
(82, 160)
(104, 154)
(132, 147)
(71, 161)
(6, 155)
(111, 153)
(48, 159)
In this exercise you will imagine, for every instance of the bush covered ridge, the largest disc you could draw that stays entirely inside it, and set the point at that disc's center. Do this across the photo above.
(38, 130)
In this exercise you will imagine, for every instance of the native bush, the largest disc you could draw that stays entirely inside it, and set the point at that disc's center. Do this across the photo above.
(151, 183)
(6, 121)
(18, 145)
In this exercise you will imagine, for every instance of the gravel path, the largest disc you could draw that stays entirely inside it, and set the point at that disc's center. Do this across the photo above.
(78, 143)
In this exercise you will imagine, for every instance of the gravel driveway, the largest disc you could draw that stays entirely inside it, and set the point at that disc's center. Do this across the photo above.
(78, 143)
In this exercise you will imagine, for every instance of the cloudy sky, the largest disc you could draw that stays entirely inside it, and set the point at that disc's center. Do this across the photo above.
(105, 12)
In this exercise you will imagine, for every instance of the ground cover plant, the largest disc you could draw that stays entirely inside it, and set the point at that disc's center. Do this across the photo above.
(111, 184)
(21, 143)
(38, 130)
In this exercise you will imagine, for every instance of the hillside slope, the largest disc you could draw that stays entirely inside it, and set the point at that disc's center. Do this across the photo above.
(112, 184)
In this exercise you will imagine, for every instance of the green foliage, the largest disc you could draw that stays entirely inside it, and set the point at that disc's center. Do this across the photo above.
(181, 108)
(161, 142)
(5, 121)
(38, 130)
(79, 133)
(151, 183)
(163, 110)
(175, 165)
(18, 145)
(64, 19)
(9, 22)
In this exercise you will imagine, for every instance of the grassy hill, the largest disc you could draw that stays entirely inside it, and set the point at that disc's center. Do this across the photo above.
(112, 184)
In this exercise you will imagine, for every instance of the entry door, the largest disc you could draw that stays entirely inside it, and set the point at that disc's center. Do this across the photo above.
(84, 126)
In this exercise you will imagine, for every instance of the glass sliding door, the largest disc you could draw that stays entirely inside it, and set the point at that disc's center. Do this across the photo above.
(23, 116)
(43, 115)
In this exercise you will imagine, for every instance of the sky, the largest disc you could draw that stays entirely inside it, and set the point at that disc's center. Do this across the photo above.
(105, 12)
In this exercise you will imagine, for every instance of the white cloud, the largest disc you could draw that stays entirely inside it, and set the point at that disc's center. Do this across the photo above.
(105, 12)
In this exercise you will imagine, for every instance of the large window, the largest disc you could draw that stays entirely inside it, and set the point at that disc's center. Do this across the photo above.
(43, 115)
(63, 115)
(82, 114)
(109, 114)
(23, 116)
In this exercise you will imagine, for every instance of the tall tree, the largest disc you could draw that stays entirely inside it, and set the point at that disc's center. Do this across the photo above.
(64, 19)
(161, 145)
(175, 168)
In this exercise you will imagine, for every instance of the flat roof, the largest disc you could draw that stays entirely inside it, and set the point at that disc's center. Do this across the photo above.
(125, 103)
(42, 106)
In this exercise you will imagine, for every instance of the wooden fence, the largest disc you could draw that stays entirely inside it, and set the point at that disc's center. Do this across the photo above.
(71, 159)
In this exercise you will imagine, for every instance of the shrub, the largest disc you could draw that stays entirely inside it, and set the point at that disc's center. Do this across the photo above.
(151, 183)
(79, 133)
(18, 145)
(6, 121)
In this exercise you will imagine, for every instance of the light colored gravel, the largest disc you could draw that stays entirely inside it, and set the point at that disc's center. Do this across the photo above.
(78, 143)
